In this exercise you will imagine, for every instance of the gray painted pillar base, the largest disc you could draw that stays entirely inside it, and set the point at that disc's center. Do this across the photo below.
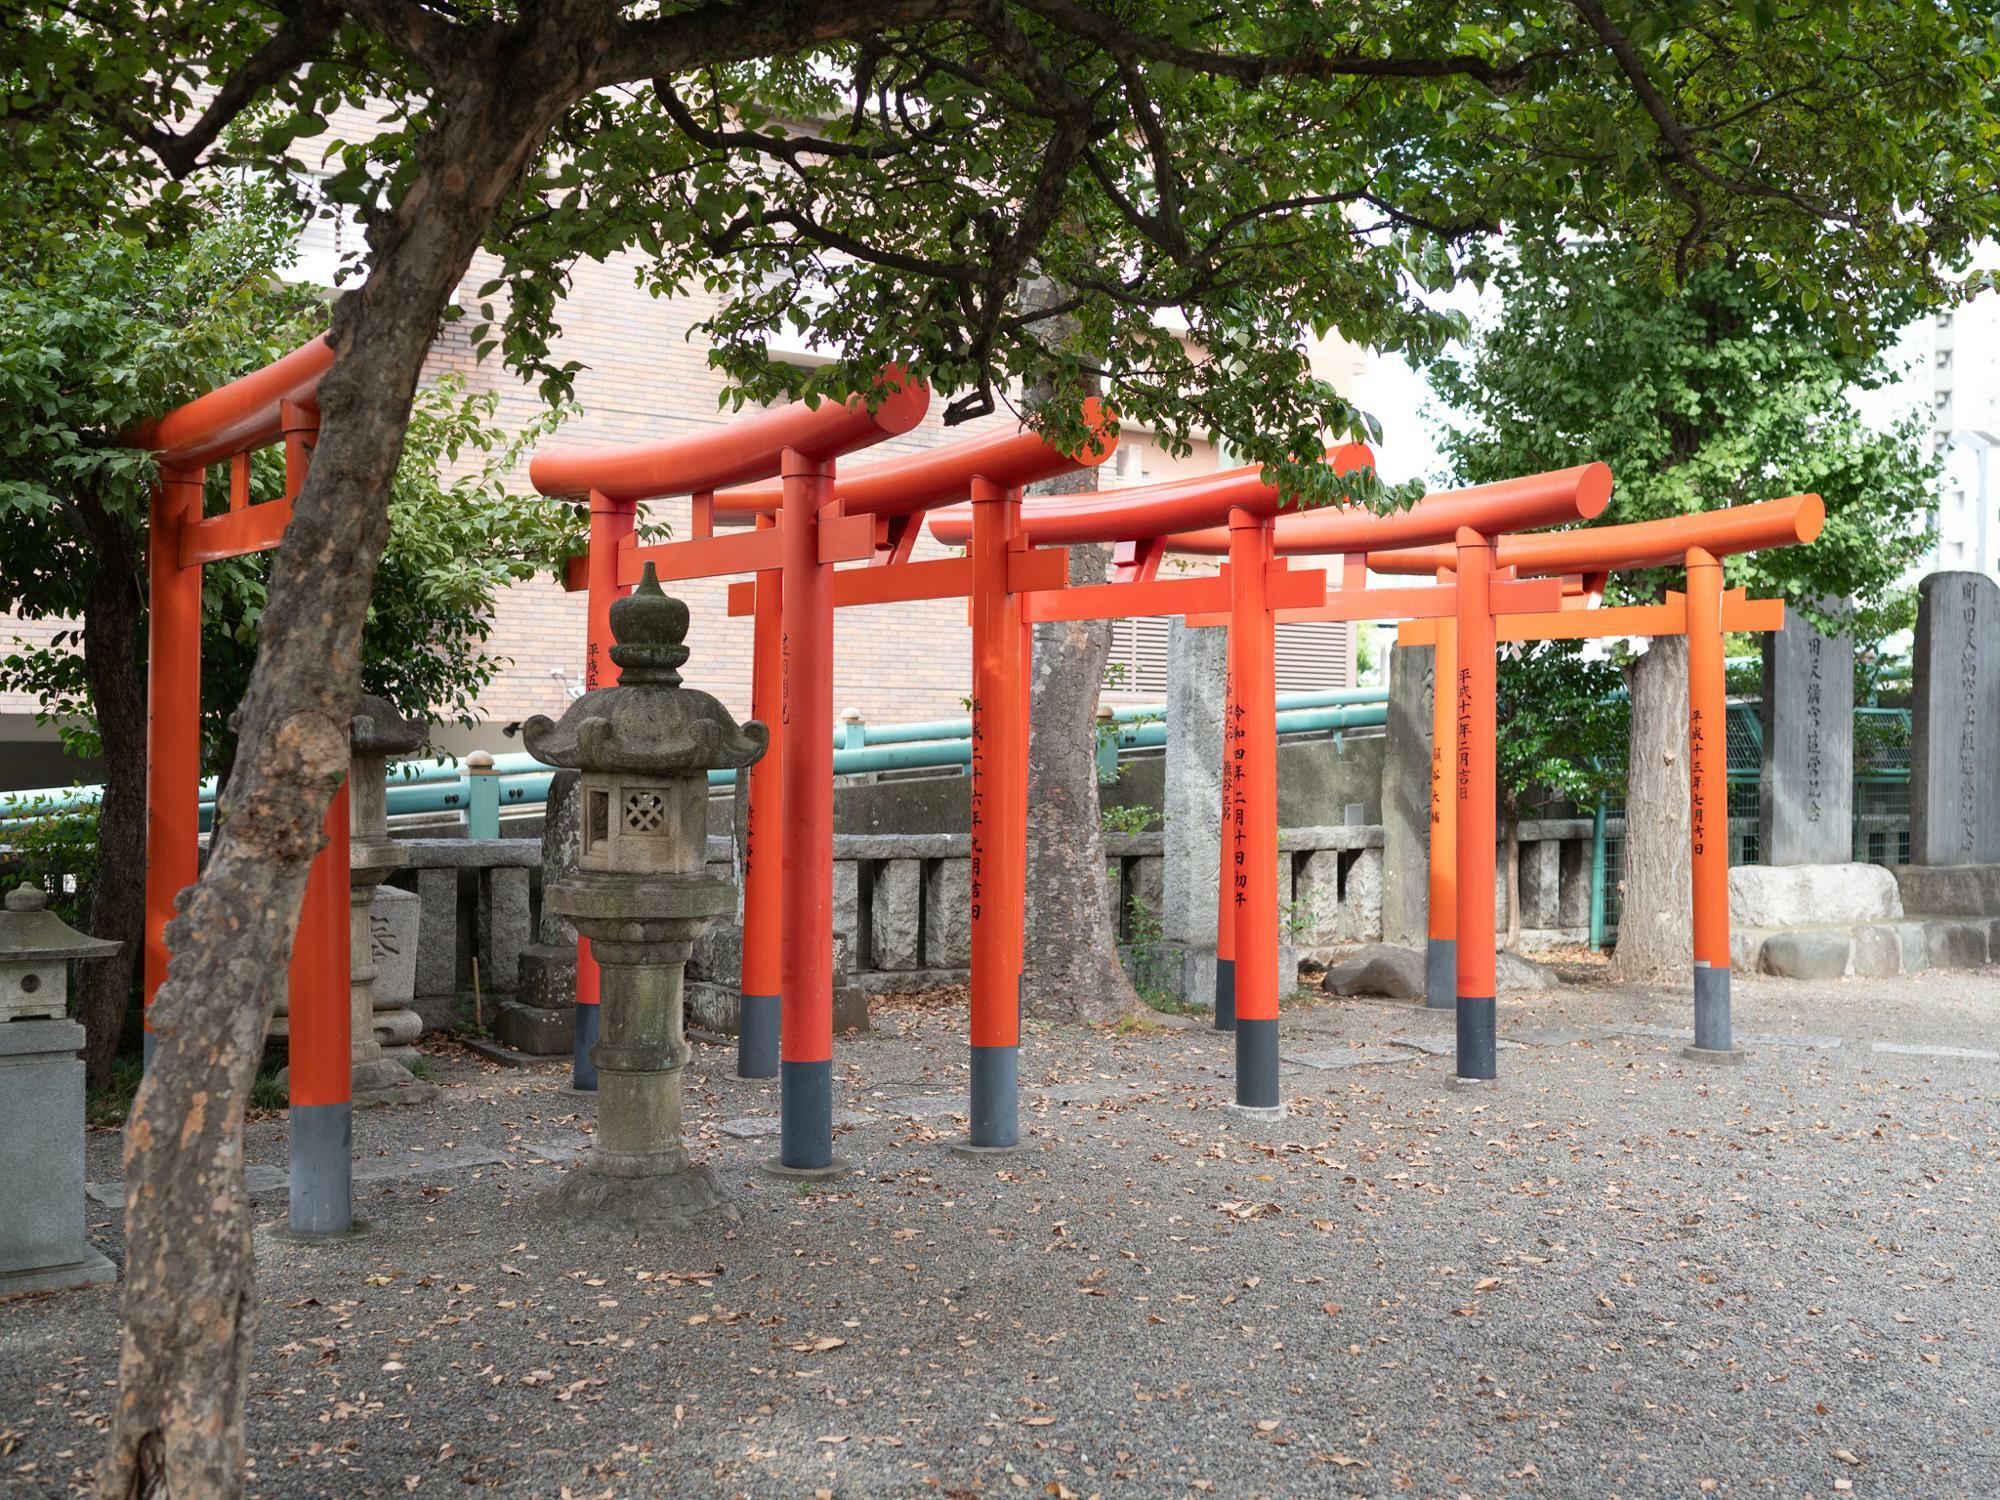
(583, 1067)
(147, 1057)
(757, 1032)
(1712, 1032)
(322, 1164)
(996, 1099)
(1257, 1066)
(1225, 994)
(1477, 1039)
(805, 1121)
(1441, 974)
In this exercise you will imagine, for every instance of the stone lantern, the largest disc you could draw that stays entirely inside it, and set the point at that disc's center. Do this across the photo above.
(376, 732)
(640, 894)
(42, 1244)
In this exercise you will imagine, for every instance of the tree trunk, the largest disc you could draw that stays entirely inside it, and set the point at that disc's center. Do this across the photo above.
(1656, 924)
(189, 1302)
(1513, 822)
(113, 628)
(1071, 970)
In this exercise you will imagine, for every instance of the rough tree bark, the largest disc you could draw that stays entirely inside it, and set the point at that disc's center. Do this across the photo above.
(1071, 969)
(189, 1303)
(1656, 925)
(114, 666)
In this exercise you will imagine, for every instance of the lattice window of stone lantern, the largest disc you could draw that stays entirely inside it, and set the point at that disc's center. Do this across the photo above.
(644, 811)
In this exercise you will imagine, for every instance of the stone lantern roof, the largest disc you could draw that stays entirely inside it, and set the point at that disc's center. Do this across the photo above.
(649, 724)
(30, 932)
(377, 729)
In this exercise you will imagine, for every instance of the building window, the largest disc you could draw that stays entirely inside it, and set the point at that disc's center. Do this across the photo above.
(1310, 658)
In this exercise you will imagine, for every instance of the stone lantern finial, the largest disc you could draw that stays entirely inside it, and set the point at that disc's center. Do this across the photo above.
(648, 722)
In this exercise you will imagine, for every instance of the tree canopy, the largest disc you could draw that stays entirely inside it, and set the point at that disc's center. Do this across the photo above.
(1716, 393)
(1209, 185)
(101, 331)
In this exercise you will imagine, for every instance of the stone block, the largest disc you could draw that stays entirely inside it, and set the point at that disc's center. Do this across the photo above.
(1316, 898)
(548, 976)
(1955, 944)
(895, 931)
(537, 1030)
(1387, 969)
(1196, 671)
(508, 929)
(1541, 883)
(1147, 875)
(562, 841)
(717, 956)
(1792, 895)
(393, 923)
(1746, 948)
(1361, 906)
(1806, 793)
(1514, 974)
(948, 914)
(437, 932)
(42, 1242)
(1955, 745)
(1878, 951)
(1573, 904)
(1406, 798)
(1807, 955)
(847, 901)
(1916, 951)
(1950, 890)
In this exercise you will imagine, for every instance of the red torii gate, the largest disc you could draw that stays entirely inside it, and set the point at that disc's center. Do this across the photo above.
(798, 445)
(1251, 542)
(278, 403)
(1579, 492)
(1704, 614)
(1011, 588)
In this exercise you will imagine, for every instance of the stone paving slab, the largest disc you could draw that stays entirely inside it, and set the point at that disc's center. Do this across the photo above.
(262, 1182)
(1915, 1049)
(1442, 1046)
(1328, 1058)
(759, 1127)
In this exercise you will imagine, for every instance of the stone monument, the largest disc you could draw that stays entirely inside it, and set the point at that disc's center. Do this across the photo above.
(1197, 681)
(42, 1244)
(1955, 746)
(1406, 800)
(380, 1076)
(1806, 797)
(641, 894)
(540, 1018)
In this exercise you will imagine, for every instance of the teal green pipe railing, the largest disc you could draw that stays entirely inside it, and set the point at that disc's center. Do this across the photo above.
(518, 779)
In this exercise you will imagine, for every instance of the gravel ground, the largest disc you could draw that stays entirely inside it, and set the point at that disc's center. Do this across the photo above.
(1617, 1274)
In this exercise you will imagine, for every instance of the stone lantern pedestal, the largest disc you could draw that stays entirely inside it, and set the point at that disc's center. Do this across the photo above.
(640, 894)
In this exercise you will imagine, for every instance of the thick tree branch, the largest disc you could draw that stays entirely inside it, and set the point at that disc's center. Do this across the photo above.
(1674, 136)
(290, 46)
(1116, 38)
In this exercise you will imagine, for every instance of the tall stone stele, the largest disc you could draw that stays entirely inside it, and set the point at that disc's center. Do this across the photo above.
(376, 732)
(640, 894)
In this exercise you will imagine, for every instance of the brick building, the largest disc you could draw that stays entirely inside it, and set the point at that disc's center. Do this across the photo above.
(646, 376)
